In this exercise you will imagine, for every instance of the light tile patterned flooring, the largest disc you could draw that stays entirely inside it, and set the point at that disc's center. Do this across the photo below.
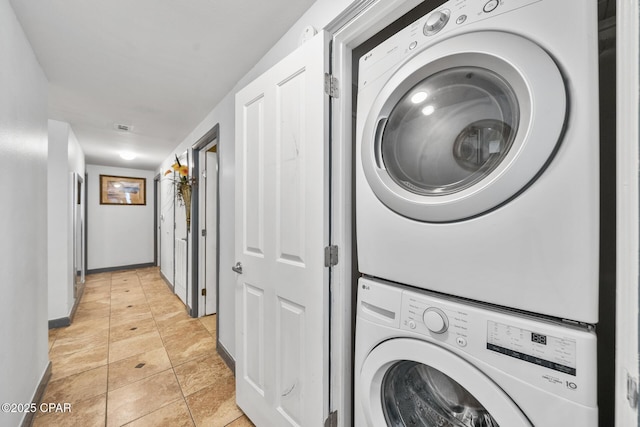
(134, 357)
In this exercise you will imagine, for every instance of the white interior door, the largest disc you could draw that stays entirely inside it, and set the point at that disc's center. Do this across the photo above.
(282, 195)
(180, 246)
(211, 239)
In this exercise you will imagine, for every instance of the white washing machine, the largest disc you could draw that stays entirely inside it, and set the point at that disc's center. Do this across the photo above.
(477, 155)
(427, 360)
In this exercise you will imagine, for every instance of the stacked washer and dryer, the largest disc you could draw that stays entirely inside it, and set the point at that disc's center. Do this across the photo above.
(477, 218)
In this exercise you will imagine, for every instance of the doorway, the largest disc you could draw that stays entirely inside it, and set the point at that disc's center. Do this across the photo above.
(78, 235)
(206, 210)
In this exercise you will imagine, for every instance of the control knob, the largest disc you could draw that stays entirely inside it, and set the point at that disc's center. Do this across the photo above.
(435, 320)
(436, 22)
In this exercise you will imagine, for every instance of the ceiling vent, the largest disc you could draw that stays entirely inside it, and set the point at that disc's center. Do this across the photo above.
(122, 127)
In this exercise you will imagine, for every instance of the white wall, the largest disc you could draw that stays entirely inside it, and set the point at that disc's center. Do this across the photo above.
(319, 15)
(23, 217)
(118, 235)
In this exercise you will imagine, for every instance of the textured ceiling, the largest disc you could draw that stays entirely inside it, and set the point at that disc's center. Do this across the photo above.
(159, 66)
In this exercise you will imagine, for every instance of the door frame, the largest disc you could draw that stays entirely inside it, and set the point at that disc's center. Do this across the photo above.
(359, 22)
(211, 135)
(628, 214)
(79, 241)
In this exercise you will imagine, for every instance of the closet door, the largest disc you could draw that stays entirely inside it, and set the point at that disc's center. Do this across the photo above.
(282, 228)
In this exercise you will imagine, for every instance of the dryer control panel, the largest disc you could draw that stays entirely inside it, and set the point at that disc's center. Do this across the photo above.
(449, 17)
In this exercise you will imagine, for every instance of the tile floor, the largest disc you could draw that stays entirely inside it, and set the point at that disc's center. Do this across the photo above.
(134, 357)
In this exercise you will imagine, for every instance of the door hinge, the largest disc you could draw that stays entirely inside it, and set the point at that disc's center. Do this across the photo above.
(330, 256)
(331, 86)
(632, 391)
(204, 232)
(332, 420)
(203, 292)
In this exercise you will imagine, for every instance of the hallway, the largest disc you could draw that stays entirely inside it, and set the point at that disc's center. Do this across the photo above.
(134, 357)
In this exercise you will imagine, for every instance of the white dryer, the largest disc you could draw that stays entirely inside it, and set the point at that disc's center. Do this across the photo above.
(427, 360)
(477, 155)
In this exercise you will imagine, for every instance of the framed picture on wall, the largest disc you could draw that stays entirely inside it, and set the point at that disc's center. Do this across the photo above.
(122, 190)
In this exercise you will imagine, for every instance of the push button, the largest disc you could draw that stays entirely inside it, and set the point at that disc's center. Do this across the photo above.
(462, 342)
(490, 6)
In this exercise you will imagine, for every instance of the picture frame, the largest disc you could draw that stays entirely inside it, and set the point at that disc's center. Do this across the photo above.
(123, 190)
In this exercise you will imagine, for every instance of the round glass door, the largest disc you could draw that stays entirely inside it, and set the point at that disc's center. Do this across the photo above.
(414, 383)
(463, 126)
(450, 131)
(414, 394)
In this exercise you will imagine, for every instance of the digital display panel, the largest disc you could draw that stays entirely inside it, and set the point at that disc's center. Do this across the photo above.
(550, 352)
(538, 338)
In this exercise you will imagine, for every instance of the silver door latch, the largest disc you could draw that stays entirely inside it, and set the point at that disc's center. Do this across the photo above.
(237, 268)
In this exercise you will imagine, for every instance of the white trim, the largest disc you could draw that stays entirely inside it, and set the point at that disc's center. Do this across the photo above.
(628, 218)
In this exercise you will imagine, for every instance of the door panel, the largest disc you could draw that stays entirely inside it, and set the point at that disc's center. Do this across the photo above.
(282, 197)
(291, 356)
(253, 357)
(290, 180)
(253, 191)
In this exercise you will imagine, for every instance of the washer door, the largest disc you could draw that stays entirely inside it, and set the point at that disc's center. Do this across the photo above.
(406, 382)
(463, 126)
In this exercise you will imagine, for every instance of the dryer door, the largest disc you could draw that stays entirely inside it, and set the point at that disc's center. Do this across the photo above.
(407, 382)
(463, 126)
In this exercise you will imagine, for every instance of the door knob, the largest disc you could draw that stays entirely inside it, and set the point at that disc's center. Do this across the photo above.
(237, 268)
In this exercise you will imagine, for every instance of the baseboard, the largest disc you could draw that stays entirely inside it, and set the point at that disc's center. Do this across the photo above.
(27, 421)
(60, 323)
(122, 267)
(66, 321)
(224, 355)
(76, 302)
(167, 281)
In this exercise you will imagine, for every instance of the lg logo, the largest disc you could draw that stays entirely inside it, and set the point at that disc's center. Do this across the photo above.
(366, 287)
(571, 385)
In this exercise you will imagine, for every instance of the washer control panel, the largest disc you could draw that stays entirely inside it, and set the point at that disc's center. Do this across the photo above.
(551, 352)
(438, 320)
(465, 327)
